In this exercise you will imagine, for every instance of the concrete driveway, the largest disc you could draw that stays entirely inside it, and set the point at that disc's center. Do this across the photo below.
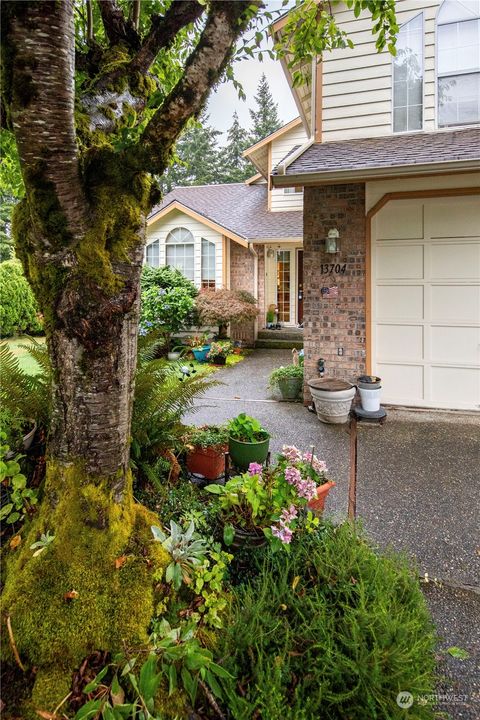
(417, 492)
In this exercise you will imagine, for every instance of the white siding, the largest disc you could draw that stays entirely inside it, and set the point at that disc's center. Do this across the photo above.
(280, 148)
(160, 229)
(357, 94)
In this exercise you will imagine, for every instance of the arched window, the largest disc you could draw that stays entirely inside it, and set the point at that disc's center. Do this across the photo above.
(408, 77)
(208, 264)
(179, 251)
(153, 254)
(458, 58)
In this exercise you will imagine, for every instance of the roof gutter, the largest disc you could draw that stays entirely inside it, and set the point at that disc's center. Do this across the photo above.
(281, 179)
(282, 167)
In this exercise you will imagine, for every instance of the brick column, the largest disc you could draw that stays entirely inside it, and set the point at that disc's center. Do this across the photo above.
(338, 322)
(241, 278)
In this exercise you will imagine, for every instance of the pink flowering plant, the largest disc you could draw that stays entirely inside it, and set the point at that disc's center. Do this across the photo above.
(272, 500)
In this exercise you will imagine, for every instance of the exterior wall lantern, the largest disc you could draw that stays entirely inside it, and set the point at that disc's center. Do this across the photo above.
(331, 242)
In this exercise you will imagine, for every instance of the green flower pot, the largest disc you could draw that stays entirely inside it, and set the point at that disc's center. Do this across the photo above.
(244, 453)
(290, 387)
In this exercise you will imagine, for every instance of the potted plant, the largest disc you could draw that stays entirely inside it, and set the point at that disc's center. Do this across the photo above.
(270, 503)
(333, 399)
(289, 379)
(248, 441)
(270, 317)
(200, 347)
(207, 446)
(219, 351)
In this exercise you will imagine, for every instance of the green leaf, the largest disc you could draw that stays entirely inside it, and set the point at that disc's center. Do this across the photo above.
(96, 681)
(13, 518)
(189, 684)
(458, 653)
(228, 534)
(5, 511)
(220, 671)
(172, 679)
(215, 489)
(89, 710)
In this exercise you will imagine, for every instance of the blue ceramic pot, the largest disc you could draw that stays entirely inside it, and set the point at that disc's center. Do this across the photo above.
(200, 354)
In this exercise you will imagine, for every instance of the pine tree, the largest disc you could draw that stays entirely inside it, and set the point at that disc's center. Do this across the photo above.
(234, 167)
(198, 157)
(265, 118)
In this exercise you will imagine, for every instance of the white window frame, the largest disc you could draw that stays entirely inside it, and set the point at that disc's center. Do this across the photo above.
(437, 75)
(183, 245)
(150, 246)
(409, 132)
(211, 281)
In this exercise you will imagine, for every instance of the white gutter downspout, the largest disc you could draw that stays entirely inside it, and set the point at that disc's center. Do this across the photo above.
(254, 254)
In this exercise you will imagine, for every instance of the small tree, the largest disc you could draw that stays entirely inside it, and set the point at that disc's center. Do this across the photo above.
(167, 301)
(221, 307)
(234, 167)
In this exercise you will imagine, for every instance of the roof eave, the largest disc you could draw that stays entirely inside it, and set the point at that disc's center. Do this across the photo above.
(331, 176)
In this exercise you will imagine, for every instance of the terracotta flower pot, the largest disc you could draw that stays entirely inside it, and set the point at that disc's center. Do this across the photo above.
(209, 461)
(318, 504)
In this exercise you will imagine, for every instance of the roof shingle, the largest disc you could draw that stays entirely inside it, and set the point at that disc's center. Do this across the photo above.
(239, 208)
(389, 151)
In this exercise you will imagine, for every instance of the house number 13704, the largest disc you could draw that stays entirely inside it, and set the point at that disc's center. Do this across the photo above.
(330, 268)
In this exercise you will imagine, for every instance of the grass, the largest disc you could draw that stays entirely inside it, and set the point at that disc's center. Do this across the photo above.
(26, 361)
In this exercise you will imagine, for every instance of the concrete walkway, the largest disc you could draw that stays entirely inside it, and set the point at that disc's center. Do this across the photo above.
(418, 492)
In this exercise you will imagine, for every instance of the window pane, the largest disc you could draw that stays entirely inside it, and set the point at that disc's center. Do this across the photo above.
(181, 257)
(459, 99)
(208, 263)
(152, 254)
(459, 47)
(179, 235)
(408, 77)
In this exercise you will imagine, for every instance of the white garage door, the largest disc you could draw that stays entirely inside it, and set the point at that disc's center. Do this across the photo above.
(426, 302)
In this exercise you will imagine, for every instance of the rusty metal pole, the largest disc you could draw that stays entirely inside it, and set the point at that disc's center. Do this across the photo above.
(352, 488)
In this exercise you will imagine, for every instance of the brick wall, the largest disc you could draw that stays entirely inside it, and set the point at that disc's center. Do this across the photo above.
(338, 322)
(241, 278)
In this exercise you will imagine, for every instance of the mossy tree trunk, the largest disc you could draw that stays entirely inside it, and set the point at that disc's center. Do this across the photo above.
(90, 131)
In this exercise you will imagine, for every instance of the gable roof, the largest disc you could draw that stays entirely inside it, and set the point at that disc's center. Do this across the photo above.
(239, 211)
(377, 157)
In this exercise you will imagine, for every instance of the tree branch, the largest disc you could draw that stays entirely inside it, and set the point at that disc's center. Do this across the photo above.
(117, 29)
(164, 30)
(136, 13)
(204, 67)
(90, 36)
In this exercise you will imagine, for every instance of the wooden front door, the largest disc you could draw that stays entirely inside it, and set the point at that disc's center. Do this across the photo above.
(299, 287)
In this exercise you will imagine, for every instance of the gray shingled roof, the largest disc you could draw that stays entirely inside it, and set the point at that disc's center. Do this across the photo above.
(239, 208)
(389, 151)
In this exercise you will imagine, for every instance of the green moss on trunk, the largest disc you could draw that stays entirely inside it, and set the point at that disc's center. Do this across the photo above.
(113, 602)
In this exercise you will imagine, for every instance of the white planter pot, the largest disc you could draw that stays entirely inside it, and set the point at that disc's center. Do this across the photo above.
(333, 399)
(370, 398)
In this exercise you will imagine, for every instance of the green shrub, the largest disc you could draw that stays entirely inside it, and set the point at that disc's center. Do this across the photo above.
(330, 631)
(18, 307)
(285, 372)
(167, 301)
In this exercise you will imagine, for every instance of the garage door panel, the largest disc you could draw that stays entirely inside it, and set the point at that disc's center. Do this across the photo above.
(404, 221)
(401, 383)
(459, 303)
(400, 302)
(455, 261)
(456, 387)
(394, 263)
(454, 344)
(400, 342)
(442, 217)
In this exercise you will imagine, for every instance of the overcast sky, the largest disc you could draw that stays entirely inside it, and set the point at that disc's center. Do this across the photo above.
(225, 101)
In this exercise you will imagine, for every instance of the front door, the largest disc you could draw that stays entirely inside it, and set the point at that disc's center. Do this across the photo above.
(299, 287)
(284, 286)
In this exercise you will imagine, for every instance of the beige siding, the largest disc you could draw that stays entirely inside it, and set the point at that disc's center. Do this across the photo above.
(357, 94)
(281, 201)
(374, 191)
(160, 229)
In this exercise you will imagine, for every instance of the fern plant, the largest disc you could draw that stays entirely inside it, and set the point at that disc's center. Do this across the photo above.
(22, 395)
(161, 399)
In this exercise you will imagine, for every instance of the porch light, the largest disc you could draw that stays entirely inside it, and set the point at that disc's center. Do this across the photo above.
(331, 241)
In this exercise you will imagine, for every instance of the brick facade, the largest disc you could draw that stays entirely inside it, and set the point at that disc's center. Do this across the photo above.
(241, 278)
(338, 322)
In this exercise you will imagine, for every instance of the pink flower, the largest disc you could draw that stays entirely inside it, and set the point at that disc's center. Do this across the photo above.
(293, 475)
(255, 469)
(291, 453)
(306, 489)
(288, 514)
(283, 533)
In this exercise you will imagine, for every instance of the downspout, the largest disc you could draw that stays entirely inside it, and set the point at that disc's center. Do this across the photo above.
(254, 254)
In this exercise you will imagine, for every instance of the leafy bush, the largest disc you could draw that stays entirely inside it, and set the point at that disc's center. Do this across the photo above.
(331, 630)
(247, 429)
(220, 349)
(220, 307)
(167, 301)
(18, 307)
(284, 373)
(208, 436)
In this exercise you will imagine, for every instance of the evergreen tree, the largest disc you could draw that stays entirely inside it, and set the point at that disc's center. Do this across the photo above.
(234, 167)
(198, 161)
(265, 118)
